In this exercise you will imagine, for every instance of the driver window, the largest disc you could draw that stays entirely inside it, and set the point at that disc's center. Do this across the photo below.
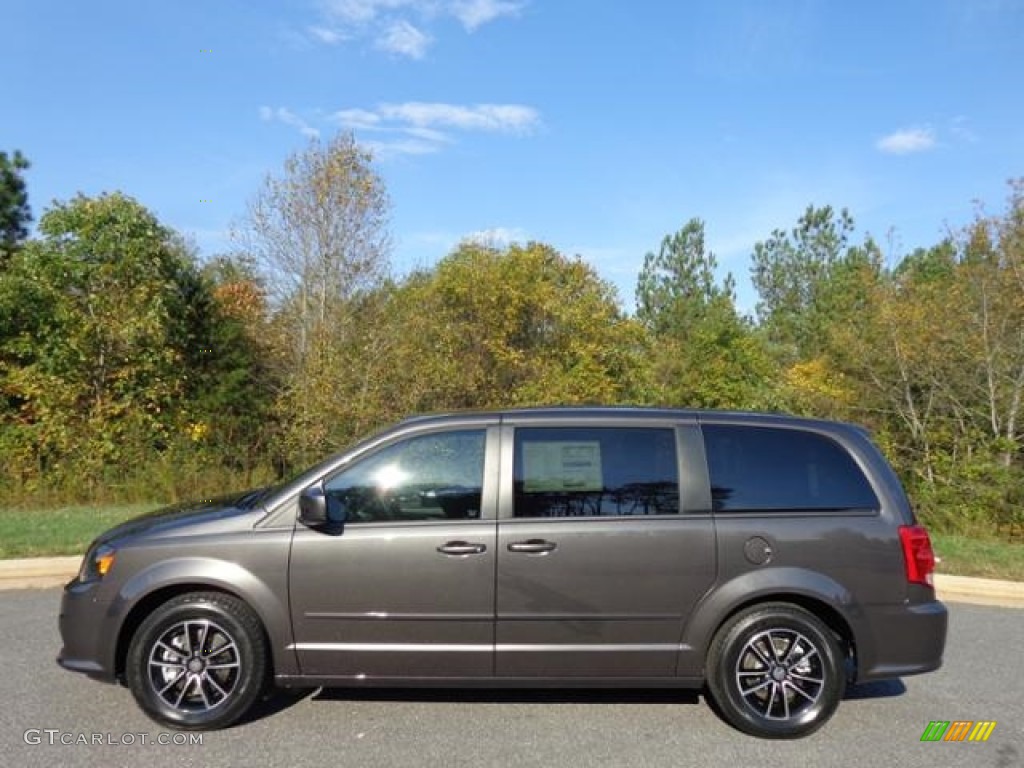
(429, 477)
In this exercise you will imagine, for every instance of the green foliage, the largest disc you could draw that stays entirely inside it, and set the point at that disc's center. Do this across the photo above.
(486, 327)
(525, 326)
(108, 349)
(15, 214)
(795, 276)
(929, 354)
(702, 352)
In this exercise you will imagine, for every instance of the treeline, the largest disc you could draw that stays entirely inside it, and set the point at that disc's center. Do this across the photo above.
(129, 369)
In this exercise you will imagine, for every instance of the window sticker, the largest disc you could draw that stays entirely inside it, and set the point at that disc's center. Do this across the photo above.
(570, 466)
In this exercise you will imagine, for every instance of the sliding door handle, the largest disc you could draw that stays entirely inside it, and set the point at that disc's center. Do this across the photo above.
(532, 546)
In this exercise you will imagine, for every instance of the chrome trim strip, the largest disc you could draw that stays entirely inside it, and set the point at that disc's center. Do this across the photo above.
(379, 615)
(588, 647)
(481, 647)
(393, 647)
(384, 615)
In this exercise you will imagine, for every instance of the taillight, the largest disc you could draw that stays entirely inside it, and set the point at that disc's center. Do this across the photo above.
(918, 556)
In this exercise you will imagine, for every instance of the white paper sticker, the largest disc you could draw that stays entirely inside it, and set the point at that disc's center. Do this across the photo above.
(562, 467)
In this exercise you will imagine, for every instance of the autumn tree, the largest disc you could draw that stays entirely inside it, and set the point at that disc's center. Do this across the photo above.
(319, 232)
(487, 327)
(97, 342)
(526, 325)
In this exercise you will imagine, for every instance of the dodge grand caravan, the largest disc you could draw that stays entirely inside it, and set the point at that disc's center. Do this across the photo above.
(766, 559)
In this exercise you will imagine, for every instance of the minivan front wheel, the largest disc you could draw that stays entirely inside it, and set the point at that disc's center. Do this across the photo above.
(775, 670)
(198, 662)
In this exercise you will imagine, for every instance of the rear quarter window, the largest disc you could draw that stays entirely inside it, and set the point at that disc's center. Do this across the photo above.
(763, 469)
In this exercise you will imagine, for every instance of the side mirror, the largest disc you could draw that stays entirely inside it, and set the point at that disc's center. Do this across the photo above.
(313, 506)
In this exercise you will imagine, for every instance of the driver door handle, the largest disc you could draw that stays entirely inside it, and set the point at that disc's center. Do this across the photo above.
(461, 548)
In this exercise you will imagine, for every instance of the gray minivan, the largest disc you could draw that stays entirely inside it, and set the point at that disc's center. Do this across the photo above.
(767, 559)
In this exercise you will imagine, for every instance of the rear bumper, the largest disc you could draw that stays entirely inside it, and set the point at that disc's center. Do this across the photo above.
(88, 646)
(908, 640)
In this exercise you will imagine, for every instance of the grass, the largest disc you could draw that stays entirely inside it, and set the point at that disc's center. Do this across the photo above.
(61, 531)
(68, 531)
(990, 558)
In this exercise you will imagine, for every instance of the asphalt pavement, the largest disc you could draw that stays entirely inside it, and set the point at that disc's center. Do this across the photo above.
(877, 725)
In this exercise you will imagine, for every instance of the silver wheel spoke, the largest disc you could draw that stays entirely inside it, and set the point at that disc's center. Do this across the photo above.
(177, 677)
(806, 679)
(799, 690)
(757, 688)
(771, 699)
(184, 690)
(202, 691)
(807, 656)
(188, 640)
(211, 681)
(169, 649)
(229, 647)
(760, 656)
(167, 664)
(232, 665)
(202, 638)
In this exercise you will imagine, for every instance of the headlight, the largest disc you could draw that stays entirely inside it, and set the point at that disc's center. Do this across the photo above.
(97, 563)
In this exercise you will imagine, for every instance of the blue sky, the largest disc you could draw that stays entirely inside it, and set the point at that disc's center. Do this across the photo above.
(595, 126)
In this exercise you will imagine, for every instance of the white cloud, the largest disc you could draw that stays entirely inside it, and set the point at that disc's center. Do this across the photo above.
(402, 26)
(363, 11)
(475, 13)
(287, 117)
(507, 118)
(403, 38)
(325, 35)
(415, 127)
(356, 119)
(907, 141)
(497, 236)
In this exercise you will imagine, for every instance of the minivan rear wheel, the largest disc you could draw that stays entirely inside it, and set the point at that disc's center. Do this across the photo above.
(775, 670)
(198, 662)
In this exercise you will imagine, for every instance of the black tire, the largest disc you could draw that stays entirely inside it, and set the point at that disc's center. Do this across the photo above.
(775, 670)
(198, 662)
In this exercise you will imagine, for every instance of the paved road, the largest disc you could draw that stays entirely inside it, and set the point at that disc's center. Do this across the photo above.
(877, 725)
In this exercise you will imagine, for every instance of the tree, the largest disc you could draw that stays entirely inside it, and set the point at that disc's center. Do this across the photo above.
(791, 271)
(319, 231)
(15, 214)
(526, 325)
(487, 327)
(104, 330)
(703, 352)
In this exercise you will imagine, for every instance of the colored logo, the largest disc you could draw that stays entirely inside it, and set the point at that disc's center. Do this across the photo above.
(958, 730)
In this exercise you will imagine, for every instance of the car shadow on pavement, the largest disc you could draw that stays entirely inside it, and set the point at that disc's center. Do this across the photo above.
(274, 701)
(881, 689)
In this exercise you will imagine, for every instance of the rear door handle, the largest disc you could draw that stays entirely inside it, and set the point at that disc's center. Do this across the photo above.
(461, 548)
(532, 546)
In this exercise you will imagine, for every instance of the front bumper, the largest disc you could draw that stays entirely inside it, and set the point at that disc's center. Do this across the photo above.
(87, 631)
